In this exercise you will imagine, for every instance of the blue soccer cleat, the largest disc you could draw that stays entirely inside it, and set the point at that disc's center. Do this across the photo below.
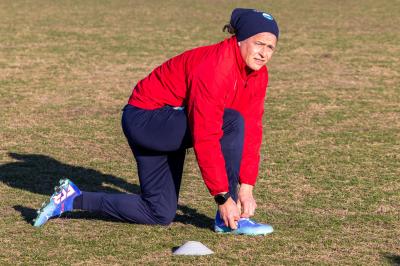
(245, 226)
(61, 201)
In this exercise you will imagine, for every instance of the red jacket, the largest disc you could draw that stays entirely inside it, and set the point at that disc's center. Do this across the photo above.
(206, 80)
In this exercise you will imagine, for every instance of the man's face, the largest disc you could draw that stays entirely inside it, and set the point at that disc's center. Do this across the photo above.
(257, 50)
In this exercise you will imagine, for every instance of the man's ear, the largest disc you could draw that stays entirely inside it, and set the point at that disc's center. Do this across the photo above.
(239, 43)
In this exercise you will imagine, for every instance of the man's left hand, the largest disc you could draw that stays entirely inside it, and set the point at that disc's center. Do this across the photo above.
(246, 203)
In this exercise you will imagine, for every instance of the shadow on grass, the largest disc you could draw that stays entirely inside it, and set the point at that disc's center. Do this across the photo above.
(393, 259)
(191, 216)
(27, 213)
(40, 173)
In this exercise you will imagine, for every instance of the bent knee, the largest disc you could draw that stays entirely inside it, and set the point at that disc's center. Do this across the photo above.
(164, 214)
(165, 219)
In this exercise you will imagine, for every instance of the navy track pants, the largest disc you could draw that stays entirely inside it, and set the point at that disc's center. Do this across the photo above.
(159, 139)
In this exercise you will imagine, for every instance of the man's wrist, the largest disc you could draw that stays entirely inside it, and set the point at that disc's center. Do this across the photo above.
(246, 187)
(222, 197)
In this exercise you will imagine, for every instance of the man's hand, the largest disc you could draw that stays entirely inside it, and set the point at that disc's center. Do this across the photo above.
(229, 212)
(246, 203)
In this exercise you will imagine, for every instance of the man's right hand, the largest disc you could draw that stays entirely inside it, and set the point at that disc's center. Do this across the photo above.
(229, 212)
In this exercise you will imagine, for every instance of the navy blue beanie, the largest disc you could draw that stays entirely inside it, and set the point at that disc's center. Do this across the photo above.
(249, 22)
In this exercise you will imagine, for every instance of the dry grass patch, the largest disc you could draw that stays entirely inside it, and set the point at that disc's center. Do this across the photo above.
(329, 174)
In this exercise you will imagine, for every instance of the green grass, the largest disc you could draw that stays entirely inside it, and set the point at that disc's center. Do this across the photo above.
(329, 177)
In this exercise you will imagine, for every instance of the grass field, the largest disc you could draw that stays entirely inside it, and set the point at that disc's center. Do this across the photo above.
(329, 180)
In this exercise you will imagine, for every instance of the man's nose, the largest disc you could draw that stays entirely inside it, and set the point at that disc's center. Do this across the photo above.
(263, 52)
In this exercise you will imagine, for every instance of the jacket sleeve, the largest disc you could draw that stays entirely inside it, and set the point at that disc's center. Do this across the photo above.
(205, 112)
(253, 137)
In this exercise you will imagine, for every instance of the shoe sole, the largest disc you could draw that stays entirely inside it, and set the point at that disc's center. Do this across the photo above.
(219, 230)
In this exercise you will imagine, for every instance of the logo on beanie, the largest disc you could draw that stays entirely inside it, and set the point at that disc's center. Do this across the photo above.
(267, 16)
